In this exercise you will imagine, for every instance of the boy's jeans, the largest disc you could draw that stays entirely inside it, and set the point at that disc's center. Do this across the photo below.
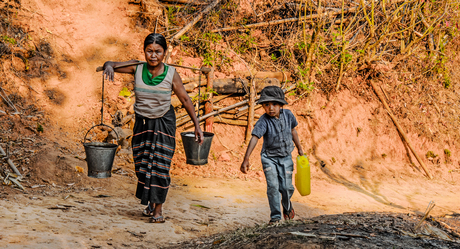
(278, 172)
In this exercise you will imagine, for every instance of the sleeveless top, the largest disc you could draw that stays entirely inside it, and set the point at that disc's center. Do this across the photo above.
(153, 101)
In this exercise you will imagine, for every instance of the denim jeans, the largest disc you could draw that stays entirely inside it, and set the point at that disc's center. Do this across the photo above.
(278, 172)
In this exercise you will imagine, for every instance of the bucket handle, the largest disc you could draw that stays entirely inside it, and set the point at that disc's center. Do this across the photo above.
(100, 125)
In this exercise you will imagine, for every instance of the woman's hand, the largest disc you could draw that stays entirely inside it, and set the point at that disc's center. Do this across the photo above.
(199, 137)
(109, 72)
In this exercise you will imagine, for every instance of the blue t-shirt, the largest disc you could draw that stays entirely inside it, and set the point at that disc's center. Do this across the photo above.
(277, 133)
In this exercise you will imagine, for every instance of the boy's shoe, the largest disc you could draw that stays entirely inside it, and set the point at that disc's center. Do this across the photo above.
(289, 215)
(273, 222)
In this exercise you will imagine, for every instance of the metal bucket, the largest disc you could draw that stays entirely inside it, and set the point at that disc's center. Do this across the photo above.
(100, 156)
(195, 153)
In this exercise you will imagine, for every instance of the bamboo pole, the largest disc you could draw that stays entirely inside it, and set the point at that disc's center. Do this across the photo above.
(403, 134)
(195, 20)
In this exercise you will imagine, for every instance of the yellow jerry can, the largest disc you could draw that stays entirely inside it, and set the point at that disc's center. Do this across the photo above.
(302, 177)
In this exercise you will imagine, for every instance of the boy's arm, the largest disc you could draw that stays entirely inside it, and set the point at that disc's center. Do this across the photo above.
(252, 144)
(295, 138)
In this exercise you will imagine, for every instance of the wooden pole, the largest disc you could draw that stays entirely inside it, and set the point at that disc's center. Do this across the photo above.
(208, 105)
(252, 97)
(203, 69)
(382, 99)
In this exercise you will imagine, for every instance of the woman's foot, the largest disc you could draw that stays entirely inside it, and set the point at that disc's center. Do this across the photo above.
(157, 216)
(148, 211)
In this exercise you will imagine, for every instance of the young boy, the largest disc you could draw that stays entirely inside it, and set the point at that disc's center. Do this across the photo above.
(277, 126)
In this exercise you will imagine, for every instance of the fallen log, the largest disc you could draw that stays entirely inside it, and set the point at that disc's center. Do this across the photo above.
(227, 86)
(195, 20)
(10, 163)
(403, 134)
(281, 76)
(234, 85)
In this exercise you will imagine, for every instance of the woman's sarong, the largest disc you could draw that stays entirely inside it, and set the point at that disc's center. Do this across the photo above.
(153, 148)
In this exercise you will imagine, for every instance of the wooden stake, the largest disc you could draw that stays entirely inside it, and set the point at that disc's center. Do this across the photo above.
(252, 97)
(403, 134)
(208, 105)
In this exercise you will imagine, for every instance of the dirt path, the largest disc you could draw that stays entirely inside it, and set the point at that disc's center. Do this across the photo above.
(110, 216)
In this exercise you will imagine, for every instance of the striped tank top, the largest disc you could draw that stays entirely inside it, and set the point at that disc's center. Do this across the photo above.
(153, 101)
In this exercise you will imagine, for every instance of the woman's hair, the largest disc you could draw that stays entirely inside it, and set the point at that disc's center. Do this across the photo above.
(155, 38)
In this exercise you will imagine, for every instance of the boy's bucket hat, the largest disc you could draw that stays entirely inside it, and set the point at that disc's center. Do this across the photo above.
(272, 93)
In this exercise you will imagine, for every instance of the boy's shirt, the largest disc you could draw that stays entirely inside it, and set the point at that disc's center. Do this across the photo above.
(277, 133)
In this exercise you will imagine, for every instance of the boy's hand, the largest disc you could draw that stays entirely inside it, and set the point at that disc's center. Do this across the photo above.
(245, 166)
(301, 152)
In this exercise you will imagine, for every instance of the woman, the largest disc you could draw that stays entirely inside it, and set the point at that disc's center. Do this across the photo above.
(153, 141)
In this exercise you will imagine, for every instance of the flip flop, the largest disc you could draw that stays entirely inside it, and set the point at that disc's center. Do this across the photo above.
(147, 211)
(159, 219)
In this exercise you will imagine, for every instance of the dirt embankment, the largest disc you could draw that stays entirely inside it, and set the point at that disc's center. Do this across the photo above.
(358, 160)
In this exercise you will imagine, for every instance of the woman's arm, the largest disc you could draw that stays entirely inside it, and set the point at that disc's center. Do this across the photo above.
(295, 138)
(109, 68)
(179, 90)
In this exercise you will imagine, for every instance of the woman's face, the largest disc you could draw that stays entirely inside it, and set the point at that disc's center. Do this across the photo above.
(154, 54)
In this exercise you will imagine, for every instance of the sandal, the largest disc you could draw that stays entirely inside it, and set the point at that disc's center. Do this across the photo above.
(147, 211)
(159, 219)
(273, 222)
(289, 215)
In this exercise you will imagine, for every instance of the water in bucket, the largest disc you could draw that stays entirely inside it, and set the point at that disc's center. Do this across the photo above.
(195, 153)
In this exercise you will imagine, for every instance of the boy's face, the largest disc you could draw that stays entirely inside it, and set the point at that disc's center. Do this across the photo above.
(272, 108)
